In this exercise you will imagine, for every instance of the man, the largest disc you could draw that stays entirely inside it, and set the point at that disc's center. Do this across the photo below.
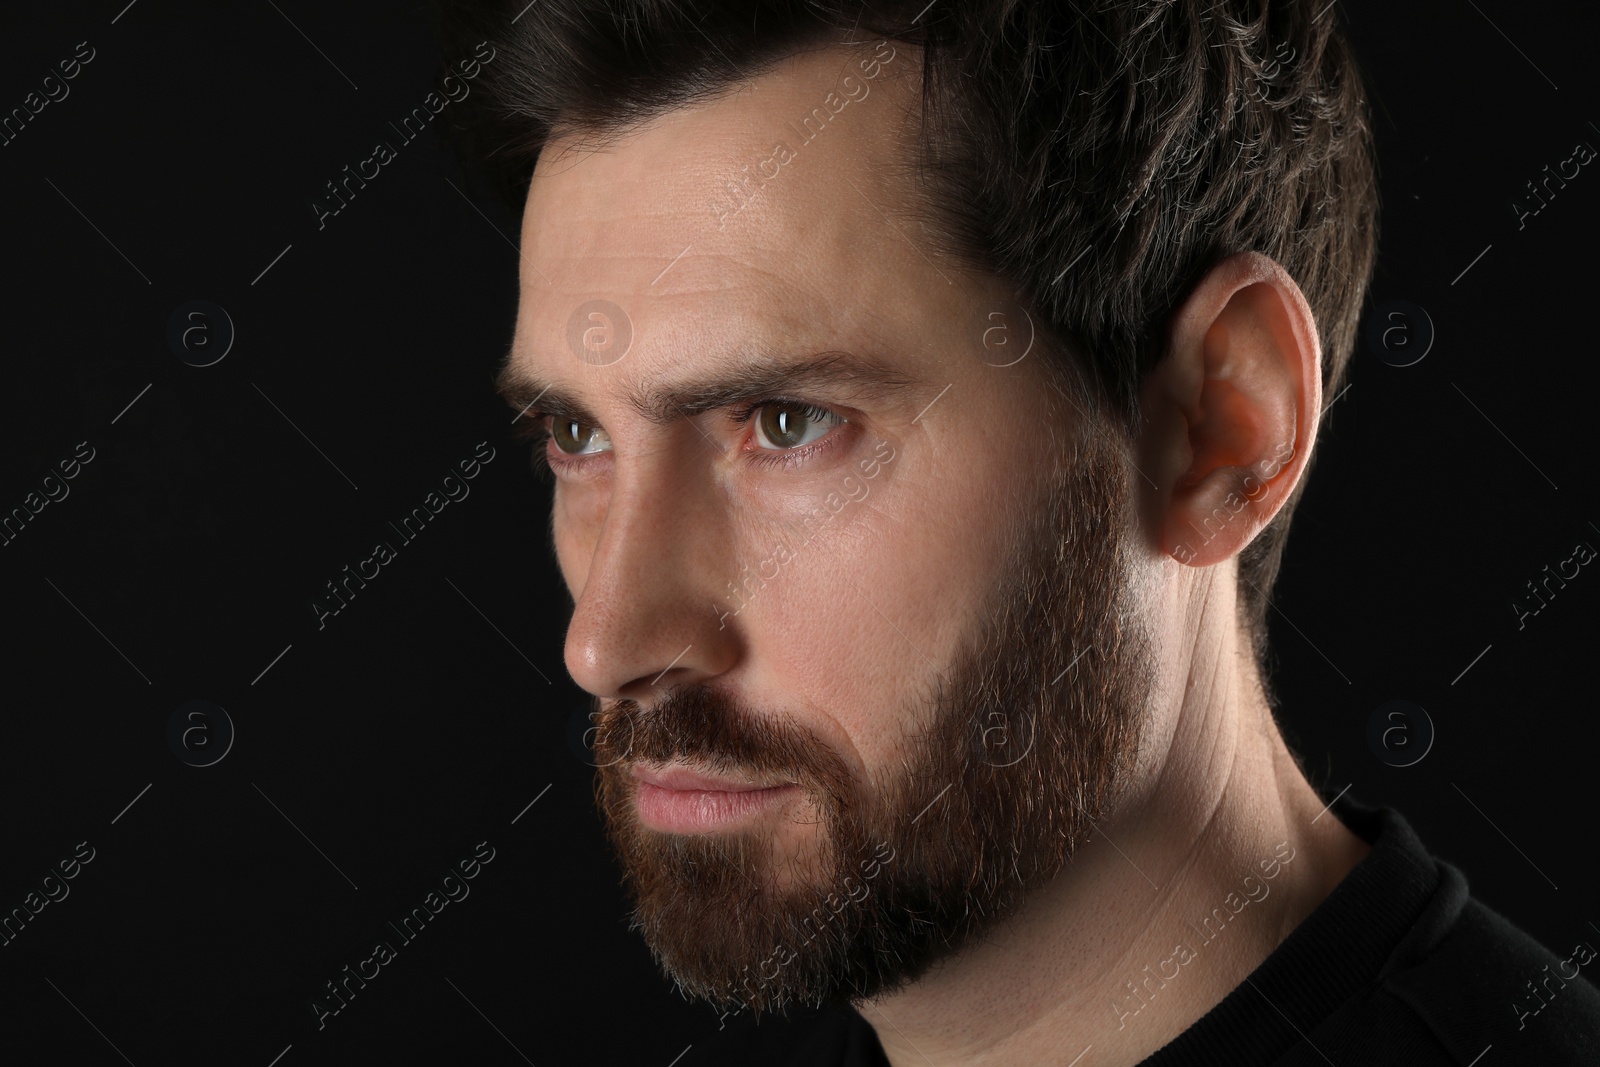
(926, 390)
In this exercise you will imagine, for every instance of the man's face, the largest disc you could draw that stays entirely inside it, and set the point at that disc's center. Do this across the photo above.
(895, 590)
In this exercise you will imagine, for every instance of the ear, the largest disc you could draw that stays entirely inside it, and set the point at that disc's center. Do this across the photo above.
(1230, 412)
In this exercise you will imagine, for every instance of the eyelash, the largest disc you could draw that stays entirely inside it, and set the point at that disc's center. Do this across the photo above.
(537, 432)
(788, 457)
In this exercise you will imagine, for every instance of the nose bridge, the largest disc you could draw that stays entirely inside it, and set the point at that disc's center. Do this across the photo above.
(647, 595)
(636, 530)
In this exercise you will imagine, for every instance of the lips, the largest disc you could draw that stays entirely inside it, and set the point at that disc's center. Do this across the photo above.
(679, 778)
(675, 799)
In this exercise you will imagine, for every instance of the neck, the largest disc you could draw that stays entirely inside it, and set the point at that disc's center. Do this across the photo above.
(1177, 897)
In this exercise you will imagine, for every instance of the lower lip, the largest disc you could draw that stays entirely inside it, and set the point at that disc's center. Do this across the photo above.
(699, 810)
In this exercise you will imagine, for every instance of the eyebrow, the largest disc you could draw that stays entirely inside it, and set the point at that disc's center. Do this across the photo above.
(758, 377)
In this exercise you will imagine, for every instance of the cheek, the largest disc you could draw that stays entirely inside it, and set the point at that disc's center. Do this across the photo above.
(863, 618)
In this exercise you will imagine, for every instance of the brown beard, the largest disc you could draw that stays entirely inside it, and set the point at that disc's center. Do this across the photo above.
(1021, 755)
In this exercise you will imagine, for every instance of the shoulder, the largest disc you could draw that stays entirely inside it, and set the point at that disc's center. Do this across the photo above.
(1426, 975)
(1486, 982)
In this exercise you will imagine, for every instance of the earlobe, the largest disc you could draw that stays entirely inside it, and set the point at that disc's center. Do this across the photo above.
(1231, 410)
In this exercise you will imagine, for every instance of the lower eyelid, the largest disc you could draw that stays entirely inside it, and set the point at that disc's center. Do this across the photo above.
(774, 457)
(548, 454)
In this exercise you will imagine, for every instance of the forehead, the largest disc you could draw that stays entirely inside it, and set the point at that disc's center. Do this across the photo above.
(775, 212)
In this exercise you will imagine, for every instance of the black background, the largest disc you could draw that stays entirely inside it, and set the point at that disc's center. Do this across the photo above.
(424, 718)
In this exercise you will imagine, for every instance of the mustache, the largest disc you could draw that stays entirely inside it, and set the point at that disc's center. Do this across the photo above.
(707, 727)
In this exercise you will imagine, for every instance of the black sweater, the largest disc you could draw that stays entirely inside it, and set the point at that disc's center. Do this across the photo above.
(1399, 965)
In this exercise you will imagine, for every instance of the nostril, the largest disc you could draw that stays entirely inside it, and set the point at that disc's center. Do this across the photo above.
(656, 680)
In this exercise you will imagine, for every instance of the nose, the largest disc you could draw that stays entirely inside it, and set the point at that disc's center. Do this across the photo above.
(647, 615)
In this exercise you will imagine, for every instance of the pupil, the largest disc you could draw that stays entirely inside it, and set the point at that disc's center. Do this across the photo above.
(784, 427)
(571, 436)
